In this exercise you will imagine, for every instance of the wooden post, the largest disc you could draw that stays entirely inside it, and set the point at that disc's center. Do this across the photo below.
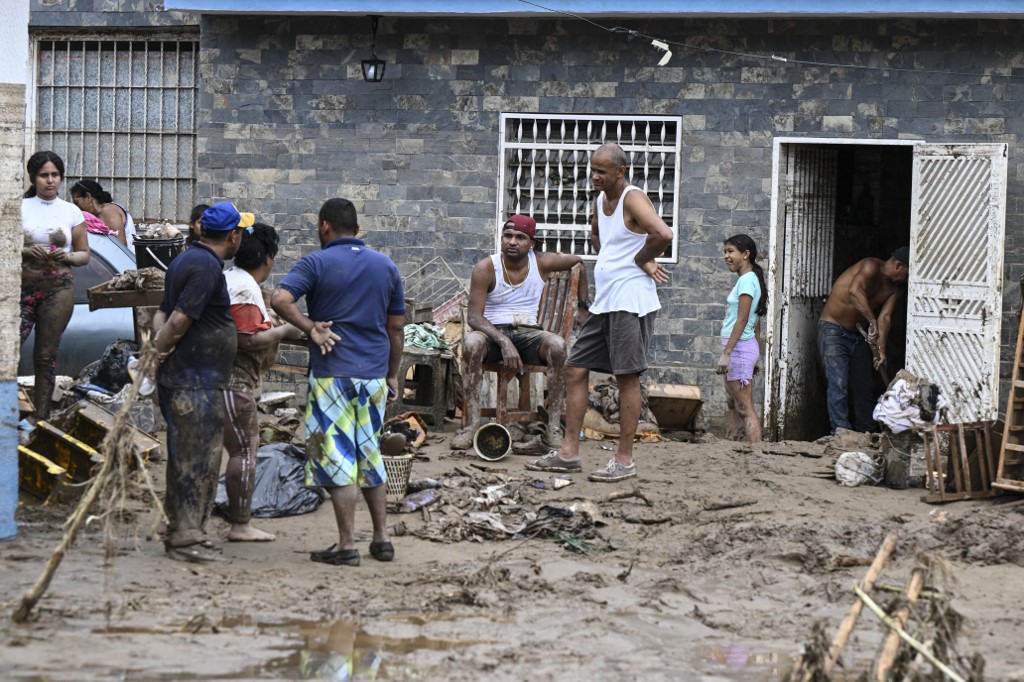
(891, 646)
(846, 627)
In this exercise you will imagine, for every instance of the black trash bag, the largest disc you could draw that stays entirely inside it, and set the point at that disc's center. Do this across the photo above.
(280, 488)
(111, 372)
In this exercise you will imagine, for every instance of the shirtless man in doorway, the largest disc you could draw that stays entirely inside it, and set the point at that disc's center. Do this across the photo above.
(864, 295)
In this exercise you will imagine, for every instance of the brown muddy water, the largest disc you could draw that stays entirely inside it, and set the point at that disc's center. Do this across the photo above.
(343, 650)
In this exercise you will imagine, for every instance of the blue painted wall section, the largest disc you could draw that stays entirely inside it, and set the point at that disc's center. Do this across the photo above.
(8, 459)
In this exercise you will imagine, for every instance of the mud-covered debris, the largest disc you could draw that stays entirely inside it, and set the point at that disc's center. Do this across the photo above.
(137, 280)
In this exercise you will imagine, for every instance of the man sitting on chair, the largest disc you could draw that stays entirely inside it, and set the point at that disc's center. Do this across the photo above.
(504, 295)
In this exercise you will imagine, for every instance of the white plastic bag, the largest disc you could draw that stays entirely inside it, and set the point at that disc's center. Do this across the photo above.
(858, 468)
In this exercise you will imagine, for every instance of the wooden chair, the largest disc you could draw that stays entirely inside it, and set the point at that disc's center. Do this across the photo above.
(556, 314)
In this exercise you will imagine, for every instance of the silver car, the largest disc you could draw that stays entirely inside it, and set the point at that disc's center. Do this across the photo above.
(89, 333)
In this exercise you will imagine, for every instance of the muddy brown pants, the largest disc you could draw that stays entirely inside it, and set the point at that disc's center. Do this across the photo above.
(47, 301)
(242, 441)
(195, 437)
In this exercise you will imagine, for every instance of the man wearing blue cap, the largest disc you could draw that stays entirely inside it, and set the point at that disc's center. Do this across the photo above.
(864, 296)
(196, 339)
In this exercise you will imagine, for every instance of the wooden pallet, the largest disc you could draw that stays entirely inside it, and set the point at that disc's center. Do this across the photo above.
(1010, 472)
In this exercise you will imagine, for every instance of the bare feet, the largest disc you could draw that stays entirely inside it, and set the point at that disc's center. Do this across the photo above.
(244, 532)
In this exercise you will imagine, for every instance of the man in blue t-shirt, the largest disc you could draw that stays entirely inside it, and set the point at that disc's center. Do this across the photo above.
(196, 339)
(355, 324)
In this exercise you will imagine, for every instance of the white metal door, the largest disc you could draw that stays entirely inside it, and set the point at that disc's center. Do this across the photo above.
(808, 184)
(954, 294)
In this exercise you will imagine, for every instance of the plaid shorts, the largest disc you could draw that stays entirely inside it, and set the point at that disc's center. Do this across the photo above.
(344, 418)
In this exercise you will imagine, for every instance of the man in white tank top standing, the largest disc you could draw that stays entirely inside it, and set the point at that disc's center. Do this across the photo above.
(627, 234)
(504, 295)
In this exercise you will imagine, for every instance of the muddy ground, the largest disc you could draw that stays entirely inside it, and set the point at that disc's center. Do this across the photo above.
(687, 589)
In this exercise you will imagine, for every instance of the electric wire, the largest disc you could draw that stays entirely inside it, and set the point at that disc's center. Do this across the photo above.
(768, 57)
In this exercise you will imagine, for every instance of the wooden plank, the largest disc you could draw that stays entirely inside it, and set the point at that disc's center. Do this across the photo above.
(101, 296)
(290, 369)
(965, 464)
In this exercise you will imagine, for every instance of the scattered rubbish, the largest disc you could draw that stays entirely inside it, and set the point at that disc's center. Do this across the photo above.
(491, 495)
(411, 426)
(275, 398)
(560, 481)
(624, 495)
(418, 500)
(287, 413)
(858, 468)
(280, 488)
(424, 484)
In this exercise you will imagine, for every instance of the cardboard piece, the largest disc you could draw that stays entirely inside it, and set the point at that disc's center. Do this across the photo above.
(675, 406)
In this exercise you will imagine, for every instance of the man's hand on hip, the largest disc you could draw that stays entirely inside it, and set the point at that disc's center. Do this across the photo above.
(323, 337)
(655, 271)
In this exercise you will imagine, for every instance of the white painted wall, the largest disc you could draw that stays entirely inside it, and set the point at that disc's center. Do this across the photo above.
(14, 50)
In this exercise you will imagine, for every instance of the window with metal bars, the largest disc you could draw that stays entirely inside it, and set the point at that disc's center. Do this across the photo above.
(546, 172)
(122, 112)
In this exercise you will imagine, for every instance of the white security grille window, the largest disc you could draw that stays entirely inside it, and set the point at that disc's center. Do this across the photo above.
(122, 112)
(546, 172)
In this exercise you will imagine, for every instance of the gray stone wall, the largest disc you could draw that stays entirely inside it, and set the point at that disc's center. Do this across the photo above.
(286, 121)
(86, 15)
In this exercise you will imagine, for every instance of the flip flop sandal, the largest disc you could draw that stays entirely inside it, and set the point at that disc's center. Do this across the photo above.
(382, 551)
(193, 554)
(336, 557)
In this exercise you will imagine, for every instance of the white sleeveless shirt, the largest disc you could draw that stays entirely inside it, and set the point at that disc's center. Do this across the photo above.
(507, 304)
(619, 284)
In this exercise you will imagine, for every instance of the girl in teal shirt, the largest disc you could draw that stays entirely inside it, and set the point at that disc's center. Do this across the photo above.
(746, 303)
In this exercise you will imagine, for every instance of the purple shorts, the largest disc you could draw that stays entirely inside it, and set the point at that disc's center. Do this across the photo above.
(741, 363)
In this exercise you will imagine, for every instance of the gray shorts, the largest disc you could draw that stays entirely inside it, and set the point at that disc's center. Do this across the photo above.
(614, 343)
(526, 339)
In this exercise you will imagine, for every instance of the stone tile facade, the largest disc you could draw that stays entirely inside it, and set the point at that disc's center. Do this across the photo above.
(286, 121)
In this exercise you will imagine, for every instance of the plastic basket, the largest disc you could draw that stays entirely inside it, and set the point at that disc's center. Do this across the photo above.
(397, 469)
